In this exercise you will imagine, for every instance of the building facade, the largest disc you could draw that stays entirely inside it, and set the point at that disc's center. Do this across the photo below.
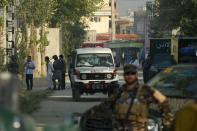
(100, 21)
(149, 17)
(139, 22)
(124, 25)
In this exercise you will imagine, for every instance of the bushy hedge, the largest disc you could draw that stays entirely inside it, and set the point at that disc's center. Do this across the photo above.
(29, 102)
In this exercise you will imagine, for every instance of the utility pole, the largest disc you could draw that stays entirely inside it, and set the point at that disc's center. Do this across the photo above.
(113, 24)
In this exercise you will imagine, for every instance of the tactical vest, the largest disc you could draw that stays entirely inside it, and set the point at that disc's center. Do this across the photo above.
(139, 111)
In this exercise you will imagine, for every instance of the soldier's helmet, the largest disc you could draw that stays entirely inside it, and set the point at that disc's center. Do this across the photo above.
(8, 91)
(130, 69)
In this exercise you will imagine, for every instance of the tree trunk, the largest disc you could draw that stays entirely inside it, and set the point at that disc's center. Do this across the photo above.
(1, 47)
(33, 48)
(42, 63)
(42, 51)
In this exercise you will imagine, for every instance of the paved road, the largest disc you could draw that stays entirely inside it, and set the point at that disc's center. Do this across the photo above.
(60, 106)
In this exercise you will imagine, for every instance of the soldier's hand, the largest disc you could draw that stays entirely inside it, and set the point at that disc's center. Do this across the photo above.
(167, 121)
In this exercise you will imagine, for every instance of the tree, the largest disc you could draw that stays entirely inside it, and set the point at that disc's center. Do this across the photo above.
(1, 59)
(173, 14)
(65, 14)
(73, 35)
(1, 43)
(4, 2)
(36, 14)
(69, 16)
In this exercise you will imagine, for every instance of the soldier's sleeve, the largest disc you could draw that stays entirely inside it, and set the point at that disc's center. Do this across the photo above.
(164, 108)
(110, 102)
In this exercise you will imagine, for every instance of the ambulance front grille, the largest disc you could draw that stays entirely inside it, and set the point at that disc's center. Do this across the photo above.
(98, 125)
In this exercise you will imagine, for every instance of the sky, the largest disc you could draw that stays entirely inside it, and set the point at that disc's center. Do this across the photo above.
(133, 5)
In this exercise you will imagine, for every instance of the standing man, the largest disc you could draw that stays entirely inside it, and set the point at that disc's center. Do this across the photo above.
(57, 73)
(49, 70)
(135, 61)
(29, 69)
(13, 66)
(146, 67)
(63, 71)
(130, 106)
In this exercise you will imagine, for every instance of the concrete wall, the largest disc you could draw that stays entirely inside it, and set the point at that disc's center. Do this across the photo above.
(54, 47)
(91, 36)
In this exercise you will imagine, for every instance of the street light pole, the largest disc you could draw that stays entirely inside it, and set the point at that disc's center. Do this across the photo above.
(113, 24)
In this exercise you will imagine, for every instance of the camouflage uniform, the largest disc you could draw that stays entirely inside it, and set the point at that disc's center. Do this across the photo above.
(138, 114)
(134, 117)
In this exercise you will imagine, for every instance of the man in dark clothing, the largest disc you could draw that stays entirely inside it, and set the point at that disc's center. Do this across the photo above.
(146, 68)
(13, 65)
(63, 71)
(57, 73)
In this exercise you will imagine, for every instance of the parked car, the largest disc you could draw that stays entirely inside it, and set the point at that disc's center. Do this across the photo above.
(159, 62)
(92, 70)
(178, 82)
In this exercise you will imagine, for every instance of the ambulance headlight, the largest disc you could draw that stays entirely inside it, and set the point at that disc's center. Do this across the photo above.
(109, 76)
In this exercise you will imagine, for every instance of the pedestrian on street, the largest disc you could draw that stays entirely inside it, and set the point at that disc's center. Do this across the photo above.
(29, 69)
(146, 68)
(135, 61)
(13, 66)
(63, 71)
(57, 73)
(130, 105)
(49, 70)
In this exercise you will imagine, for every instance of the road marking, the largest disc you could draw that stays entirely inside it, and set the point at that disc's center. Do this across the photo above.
(139, 78)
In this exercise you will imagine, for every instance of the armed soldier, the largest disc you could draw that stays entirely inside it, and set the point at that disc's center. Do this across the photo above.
(130, 105)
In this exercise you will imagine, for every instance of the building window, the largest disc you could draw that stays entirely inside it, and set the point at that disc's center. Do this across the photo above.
(95, 19)
(115, 5)
(110, 24)
(92, 19)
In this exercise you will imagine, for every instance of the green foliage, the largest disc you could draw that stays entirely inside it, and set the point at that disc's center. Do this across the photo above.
(74, 10)
(29, 102)
(66, 14)
(43, 40)
(1, 59)
(173, 14)
(4, 2)
(36, 12)
(1, 49)
(1, 21)
(69, 16)
(21, 49)
(73, 35)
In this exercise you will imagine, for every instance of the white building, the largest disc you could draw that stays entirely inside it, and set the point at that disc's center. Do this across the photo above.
(101, 18)
(100, 22)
